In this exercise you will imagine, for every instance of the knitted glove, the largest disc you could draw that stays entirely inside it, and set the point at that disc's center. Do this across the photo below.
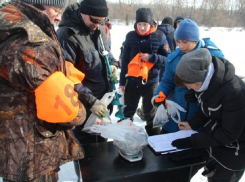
(158, 99)
(113, 76)
(98, 109)
(182, 143)
(190, 96)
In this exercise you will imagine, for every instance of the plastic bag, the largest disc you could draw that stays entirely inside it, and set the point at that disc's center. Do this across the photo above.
(173, 110)
(94, 119)
(129, 138)
(161, 117)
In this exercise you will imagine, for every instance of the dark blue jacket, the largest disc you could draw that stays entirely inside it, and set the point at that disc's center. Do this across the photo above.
(152, 44)
(168, 30)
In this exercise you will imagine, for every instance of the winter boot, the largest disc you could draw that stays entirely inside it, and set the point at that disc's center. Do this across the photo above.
(152, 131)
(140, 114)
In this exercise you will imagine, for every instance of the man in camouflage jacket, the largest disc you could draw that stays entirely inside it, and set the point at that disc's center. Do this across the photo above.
(31, 149)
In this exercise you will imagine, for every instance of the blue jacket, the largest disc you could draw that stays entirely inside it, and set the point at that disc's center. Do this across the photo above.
(152, 44)
(167, 84)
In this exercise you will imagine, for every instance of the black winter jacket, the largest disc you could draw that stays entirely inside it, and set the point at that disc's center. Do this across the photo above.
(222, 110)
(82, 47)
(169, 33)
(152, 44)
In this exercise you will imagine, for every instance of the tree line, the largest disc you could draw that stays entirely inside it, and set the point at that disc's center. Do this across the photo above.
(210, 13)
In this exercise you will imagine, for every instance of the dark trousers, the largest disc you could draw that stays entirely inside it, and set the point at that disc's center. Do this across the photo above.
(132, 96)
(222, 174)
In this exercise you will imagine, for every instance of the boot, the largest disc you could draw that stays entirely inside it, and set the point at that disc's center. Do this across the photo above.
(152, 131)
(140, 114)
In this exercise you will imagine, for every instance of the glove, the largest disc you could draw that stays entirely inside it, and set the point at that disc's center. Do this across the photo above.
(113, 76)
(190, 96)
(158, 99)
(98, 109)
(185, 154)
(182, 143)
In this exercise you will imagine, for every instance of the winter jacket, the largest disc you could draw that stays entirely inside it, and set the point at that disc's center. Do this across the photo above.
(83, 48)
(30, 53)
(168, 30)
(152, 44)
(222, 110)
(167, 84)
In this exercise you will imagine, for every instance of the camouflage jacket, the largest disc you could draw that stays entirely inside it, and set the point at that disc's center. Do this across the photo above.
(29, 53)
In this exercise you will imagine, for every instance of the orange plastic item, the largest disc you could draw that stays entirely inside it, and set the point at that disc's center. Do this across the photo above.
(56, 100)
(137, 68)
(161, 97)
(73, 73)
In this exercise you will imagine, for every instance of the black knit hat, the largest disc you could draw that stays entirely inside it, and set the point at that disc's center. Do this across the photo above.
(94, 8)
(178, 19)
(168, 20)
(144, 15)
(61, 3)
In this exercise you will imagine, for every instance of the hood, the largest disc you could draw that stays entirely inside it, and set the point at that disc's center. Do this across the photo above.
(166, 29)
(13, 20)
(71, 16)
(224, 72)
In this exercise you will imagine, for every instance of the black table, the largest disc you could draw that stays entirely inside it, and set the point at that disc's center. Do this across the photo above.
(102, 163)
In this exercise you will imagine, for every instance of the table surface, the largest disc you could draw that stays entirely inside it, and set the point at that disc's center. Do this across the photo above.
(102, 162)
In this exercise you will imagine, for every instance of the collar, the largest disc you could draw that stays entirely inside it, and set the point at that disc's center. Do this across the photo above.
(208, 77)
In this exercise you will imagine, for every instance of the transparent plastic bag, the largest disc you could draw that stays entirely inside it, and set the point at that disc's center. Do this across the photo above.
(173, 110)
(161, 117)
(129, 138)
(94, 119)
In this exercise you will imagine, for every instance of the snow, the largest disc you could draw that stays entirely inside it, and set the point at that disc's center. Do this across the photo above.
(229, 40)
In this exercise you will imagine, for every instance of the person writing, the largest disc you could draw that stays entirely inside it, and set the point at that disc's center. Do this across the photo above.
(221, 98)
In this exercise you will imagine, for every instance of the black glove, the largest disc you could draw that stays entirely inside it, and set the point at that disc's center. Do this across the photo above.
(185, 154)
(182, 143)
(190, 96)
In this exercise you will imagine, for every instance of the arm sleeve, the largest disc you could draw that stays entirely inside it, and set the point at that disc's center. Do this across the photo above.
(231, 127)
(167, 83)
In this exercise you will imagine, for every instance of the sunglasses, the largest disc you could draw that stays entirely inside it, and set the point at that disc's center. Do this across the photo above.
(56, 10)
(95, 21)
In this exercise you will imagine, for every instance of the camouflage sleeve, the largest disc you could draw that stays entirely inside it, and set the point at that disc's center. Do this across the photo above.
(30, 64)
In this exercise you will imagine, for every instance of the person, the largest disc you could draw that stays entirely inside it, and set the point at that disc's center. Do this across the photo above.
(149, 45)
(121, 53)
(36, 113)
(78, 34)
(107, 26)
(221, 98)
(167, 28)
(177, 21)
(187, 38)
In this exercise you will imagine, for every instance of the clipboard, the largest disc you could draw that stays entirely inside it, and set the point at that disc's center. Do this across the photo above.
(162, 143)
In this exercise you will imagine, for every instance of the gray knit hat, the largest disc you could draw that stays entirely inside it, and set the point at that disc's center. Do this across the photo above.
(193, 67)
(61, 3)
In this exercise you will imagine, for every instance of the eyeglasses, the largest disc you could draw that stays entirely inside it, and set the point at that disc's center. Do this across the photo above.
(95, 21)
(56, 10)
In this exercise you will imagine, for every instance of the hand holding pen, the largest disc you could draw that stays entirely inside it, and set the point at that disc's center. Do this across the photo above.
(184, 126)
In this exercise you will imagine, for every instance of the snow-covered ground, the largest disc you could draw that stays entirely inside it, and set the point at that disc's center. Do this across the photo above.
(230, 41)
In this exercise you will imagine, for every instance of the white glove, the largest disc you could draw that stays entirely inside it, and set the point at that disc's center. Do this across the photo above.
(98, 109)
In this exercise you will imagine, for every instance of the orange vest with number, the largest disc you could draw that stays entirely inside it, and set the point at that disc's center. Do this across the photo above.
(138, 67)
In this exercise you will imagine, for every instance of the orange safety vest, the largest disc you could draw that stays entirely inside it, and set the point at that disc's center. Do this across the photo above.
(138, 67)
(56, 100)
